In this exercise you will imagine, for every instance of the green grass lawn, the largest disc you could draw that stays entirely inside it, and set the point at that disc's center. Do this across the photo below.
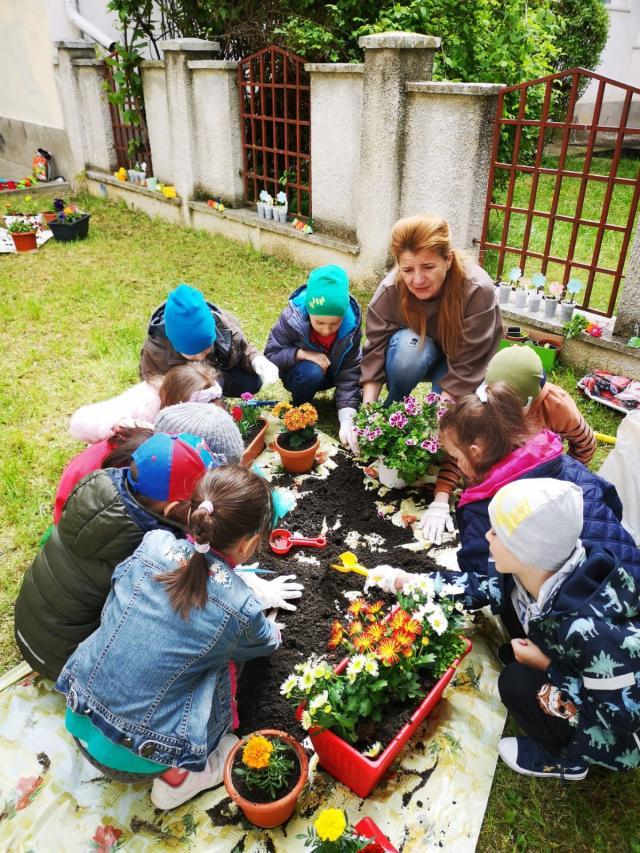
(73, 320)
(612, 241)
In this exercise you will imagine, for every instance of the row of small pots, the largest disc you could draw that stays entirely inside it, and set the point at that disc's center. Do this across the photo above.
(271, 211)
(532, 302)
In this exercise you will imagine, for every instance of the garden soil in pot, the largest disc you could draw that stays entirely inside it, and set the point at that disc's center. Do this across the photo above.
(349, 508)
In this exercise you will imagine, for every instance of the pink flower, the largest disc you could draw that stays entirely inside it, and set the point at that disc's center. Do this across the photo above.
(441, 411)
(246, 396)
(397, 419)
(106, 838)
(431, 445)
(411, 442)
(432, 397)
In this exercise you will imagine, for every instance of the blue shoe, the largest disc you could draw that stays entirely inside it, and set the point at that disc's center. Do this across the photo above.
(528, 757)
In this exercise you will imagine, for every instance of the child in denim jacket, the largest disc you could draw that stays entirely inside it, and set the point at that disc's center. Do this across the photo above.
(152, 688)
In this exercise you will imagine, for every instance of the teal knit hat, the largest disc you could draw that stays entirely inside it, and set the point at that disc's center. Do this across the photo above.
(327, 291)
(188, 321)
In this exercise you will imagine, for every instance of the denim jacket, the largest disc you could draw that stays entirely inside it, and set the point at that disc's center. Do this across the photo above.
(154, 682)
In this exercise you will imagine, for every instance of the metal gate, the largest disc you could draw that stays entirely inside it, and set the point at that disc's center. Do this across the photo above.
(568, 193)
(275, 112)
(126, 136)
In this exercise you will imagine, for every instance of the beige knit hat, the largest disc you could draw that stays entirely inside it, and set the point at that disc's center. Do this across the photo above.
(539, 520)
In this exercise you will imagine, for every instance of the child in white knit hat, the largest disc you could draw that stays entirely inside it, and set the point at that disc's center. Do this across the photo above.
(573, 685)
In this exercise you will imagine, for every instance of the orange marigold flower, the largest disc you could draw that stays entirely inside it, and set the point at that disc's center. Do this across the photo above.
(336, 635)
(281, 407)
(388, 650)
(412, 626)
(376, 632)
(398, 619)
(355, 629)
(376, 607)
(257, 752)
(403, 638)
(357, 606)
(363, 643)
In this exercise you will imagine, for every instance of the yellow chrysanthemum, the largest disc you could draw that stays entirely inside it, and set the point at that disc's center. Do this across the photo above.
(257, 752)
(330, 824)
(283, 406)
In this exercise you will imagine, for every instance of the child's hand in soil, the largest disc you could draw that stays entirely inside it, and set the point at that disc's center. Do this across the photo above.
(387, 578)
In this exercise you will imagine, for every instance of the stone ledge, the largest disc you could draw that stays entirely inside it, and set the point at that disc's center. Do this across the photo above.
(444, 88)
(334, 67)
(398, 41)
(152, 63)
(213, 65)
(132, 188)
(88, 62)
(187, 45)
(41, 187)
(247, 216)
(75, 44)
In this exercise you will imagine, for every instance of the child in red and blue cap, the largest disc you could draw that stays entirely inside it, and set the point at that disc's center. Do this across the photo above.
(104, 520)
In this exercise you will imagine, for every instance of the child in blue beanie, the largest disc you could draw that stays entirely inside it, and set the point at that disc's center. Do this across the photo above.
(316, 345)
(188, 328)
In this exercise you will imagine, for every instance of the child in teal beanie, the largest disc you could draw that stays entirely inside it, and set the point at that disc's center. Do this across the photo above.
(316, 345)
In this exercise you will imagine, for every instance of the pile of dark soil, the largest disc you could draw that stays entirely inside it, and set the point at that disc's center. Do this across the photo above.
(341, 497)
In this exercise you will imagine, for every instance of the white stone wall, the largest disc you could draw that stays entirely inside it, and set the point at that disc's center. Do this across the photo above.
(446, 163)
(336, 99)
(158, 119)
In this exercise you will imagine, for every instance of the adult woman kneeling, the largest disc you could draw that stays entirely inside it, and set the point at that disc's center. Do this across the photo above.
(434, 317)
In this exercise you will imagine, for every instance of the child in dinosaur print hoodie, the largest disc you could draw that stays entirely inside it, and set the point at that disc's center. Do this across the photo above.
(573, 685)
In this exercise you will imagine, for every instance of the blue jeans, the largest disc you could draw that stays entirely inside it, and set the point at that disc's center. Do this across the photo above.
(305, 380)
(408, 363)
(236, 381)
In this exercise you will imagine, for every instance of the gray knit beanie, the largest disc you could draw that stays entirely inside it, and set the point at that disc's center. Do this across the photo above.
(207, 421)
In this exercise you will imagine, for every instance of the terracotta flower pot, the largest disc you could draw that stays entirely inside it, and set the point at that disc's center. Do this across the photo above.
(297, 461)
(267, 815)
(49, 217)
(256, 446)
(25, 242)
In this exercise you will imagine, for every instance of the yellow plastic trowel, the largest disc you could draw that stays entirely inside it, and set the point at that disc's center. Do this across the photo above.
(350, 564)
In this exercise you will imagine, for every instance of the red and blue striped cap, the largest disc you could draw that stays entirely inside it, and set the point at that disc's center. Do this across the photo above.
(169, 466)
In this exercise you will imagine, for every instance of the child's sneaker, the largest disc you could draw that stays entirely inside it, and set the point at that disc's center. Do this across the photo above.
(527, 756)
(165, 796)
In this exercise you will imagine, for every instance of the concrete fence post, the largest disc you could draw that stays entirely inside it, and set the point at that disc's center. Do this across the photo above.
(217, 128)
(100, 151)
(177, 55)
(391, 61)
(628, 310)
(71, 100)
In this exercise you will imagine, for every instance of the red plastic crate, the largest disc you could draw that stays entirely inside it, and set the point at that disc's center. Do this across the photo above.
(362, 774)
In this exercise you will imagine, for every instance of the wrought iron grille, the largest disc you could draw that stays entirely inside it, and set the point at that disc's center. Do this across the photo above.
(515, 217)
(124, 132)
(275, 112)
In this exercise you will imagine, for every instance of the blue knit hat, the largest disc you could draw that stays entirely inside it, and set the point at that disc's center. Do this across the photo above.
(327, 291)
(188, 321)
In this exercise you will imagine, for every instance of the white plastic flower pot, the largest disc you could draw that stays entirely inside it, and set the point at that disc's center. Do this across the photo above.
(389, 476)
(280, 214)
(534, 302)
(268, 211)
(260, 209)
(504, 293)
(566, 311)
(550, 307)
(520, 300)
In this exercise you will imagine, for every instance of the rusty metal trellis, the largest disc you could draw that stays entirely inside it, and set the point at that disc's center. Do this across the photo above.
(275, 112)
(617, 134)
(124, 133)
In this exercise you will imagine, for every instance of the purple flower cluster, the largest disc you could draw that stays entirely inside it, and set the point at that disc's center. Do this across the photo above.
(246, 396)
(412, 407)
(431, 445)
(441, 411)
(411, 442)
(432, 397)
(397, 419)
(369, 434)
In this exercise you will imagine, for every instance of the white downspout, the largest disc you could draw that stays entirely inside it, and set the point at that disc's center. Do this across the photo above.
(86, 26)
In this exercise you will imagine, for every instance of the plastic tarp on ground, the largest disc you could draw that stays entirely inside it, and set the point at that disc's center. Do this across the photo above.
(435, 798)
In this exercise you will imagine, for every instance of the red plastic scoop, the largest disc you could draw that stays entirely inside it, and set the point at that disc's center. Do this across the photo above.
(282, 541)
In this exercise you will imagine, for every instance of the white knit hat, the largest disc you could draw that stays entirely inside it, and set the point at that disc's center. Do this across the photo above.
(207, 421)
(539, 521)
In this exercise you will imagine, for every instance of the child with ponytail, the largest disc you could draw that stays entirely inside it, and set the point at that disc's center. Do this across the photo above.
(152, 687)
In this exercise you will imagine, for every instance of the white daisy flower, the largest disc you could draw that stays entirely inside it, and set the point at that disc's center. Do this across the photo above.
(318, 701)
(288, 685)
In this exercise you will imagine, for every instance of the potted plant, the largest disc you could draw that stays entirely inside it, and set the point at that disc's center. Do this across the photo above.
(264, 204)
(264, 774)
(505, 287)
(402, 438)
(520, 298)
(298, 442)
(70, 223)
(23, 234)
(396, 654)
(551, 299)
(331, 833)
(535, 293)
(567, 306)
(280, 207)
(575, 326)
(251, 424)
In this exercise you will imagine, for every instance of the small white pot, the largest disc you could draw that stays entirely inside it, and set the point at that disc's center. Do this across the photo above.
(268, 211)
(566, 311)
(550, 307)
(520, 300)
(504, 293)
(534, 302)
(389, 476)
(260, 209)
(280, 213)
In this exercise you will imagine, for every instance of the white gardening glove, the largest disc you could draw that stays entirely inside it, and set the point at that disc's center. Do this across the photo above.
(383, 577)
(276, 593)
(266, 370)
(347, 433)
(435, 521)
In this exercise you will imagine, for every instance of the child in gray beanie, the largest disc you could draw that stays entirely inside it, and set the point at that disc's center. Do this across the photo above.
(572, 683)
(209, 422)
